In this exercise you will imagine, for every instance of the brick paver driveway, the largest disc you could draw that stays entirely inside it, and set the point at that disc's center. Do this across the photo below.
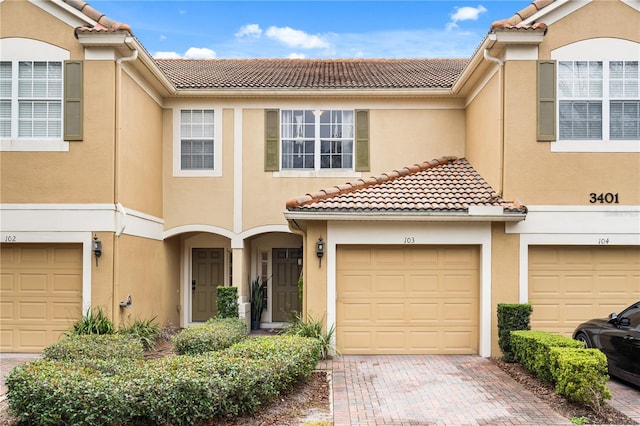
(431, 390)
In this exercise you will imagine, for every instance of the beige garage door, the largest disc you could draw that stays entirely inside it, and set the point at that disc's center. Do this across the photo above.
(40, 294)
(407, 300)
(569, 285)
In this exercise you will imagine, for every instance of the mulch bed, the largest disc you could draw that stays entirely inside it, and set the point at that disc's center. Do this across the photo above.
(607, 415)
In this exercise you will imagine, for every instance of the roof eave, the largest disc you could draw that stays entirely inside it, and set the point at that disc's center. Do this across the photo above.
(404, 217)
(321, 92)
(517, 36)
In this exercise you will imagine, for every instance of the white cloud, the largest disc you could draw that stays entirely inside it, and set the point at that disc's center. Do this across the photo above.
(296, 38)
(191, 53)
(199, 53)
(163, 37)
(167, 55)
(250, 30)
(466, 13)
(296, 56)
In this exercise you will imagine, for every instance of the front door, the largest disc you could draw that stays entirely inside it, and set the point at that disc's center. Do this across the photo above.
(207, 274)
(286, 271)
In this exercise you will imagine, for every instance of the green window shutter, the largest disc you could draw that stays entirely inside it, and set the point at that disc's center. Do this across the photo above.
(272, 140)
(362, 141)
(73, 100)
(546, 129)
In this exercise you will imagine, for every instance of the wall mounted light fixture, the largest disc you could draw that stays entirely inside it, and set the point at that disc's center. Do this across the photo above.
(320, 250)
(96, 247)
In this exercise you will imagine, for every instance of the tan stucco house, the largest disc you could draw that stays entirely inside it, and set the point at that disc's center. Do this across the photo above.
(437, 188)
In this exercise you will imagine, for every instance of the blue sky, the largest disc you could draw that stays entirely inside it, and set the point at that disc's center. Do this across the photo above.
(309, 29)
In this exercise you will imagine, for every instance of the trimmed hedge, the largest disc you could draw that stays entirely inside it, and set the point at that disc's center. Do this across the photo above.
(532, 349)
(227, 302)
(177, 390)
(577, 373)
(214, 335)
(511, 317)
(95, 346)
(580, 375)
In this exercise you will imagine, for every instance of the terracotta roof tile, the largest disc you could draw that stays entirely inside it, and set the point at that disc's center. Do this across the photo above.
(312, 73)
(447, 185)
(516, 22)
(104, 23)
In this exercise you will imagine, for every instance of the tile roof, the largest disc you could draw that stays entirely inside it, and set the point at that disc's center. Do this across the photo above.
(104, 23)
(516, 22)
(447, 186)
(312, 73)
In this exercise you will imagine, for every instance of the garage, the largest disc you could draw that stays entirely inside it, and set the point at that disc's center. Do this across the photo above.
(571, 284)
(40, 294)
(407, 300)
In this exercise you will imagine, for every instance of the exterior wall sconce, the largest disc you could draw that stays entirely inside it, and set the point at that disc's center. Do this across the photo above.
(96, 247)
(320, 250)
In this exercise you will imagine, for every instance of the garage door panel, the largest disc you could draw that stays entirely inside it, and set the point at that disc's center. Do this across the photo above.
(569, 285)
(421, 306)
(41, 294)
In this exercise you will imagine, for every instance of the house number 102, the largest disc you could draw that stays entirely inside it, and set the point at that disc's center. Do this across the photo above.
(409, 240)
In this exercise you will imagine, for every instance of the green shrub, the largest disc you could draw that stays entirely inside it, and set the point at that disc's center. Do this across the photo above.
(214, 335)
(92, 322)
(532, 350)
(314, 329)
(511, 317)
(177, 390)
(95, 346)
(227, 301)
(580, 375)
(147, 331)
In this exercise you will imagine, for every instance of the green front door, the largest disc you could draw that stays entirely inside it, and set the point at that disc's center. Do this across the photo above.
(286, 271)
(207, 274)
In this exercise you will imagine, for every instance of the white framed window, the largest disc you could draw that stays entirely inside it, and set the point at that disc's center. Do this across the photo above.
(197, 147)
(598, 100)
(314, 140)
(598, 96)
(31, 96)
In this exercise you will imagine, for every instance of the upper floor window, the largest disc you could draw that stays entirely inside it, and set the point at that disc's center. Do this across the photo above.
(317, 139)
(589, 96)
(31, 103)
(598, 100)
(40, 96)
(197, 133)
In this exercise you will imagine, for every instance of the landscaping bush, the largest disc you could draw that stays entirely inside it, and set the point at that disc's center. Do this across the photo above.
(227, 301)
(146, 331)
(92, 322)
(580, 375)
(314, 329)
(511, 317)
(95, 346)
(214, 335)
(175, 390)
(532, 350)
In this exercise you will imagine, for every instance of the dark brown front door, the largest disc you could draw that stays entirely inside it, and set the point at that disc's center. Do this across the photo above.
(207, 275)
(286, 271)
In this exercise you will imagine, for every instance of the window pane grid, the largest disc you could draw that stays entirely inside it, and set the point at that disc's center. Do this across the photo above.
(625, 120)
(39, 119)
(197, 130)
(317, 139)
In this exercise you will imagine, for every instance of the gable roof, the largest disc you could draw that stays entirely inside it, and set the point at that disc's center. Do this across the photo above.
(103, 22)
(442, 187)
(519, 20)
(312, 73)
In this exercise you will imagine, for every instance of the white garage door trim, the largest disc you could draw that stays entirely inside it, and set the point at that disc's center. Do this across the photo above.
(61, 237)
(377, 233)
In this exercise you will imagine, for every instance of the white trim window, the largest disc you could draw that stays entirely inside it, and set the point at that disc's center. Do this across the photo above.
(31, 99)
(598, 100)
(197, 139)
(317, 139)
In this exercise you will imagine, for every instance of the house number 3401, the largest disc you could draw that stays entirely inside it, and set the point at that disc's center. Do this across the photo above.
(409, 240)
(603, 198)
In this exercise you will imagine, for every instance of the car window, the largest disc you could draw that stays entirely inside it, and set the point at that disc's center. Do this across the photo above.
(633, 313)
